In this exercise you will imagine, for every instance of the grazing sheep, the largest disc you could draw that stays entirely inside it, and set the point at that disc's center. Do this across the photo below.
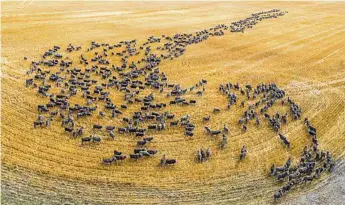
(243, 153)
(216, 110)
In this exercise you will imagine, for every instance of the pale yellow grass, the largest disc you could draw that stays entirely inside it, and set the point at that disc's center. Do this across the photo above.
(303, 52)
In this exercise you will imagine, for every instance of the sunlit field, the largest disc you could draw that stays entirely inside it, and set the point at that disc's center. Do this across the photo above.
(301, 52)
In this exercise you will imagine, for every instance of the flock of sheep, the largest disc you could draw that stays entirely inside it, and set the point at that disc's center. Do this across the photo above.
(93, 79)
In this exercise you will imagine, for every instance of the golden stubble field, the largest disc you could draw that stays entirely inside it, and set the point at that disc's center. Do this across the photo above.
(302, 52)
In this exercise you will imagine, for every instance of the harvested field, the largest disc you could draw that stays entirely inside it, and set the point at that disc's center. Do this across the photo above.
(301, 52)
